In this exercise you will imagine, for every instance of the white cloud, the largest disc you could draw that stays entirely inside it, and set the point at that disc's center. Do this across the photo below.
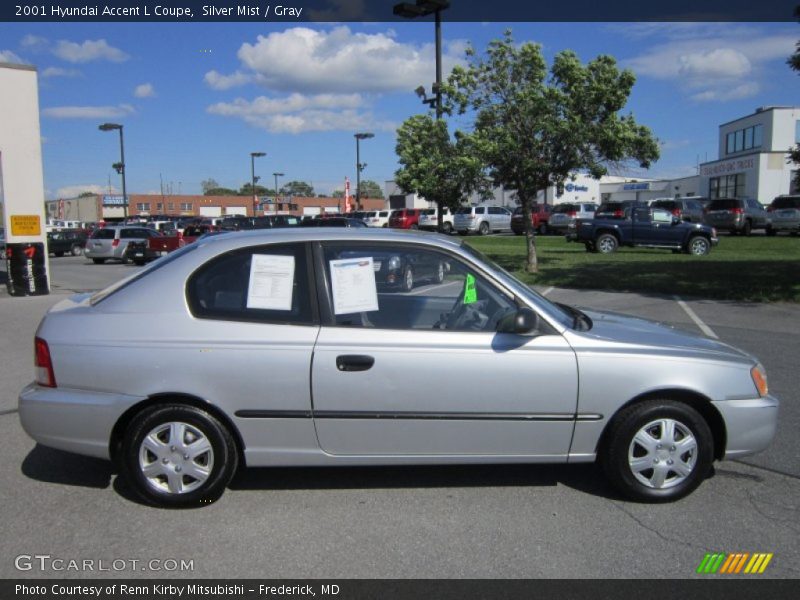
(218, 81)
(743, 90)
(88, 112)
(145, 90)
(88, 51)
(33, 41)
(59, 72)
(711, 61)
(338, 60)
(7, 56)
(298, 113)
(73, 191)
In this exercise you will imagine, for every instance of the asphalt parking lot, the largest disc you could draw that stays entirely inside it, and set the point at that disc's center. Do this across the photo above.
(420, 522)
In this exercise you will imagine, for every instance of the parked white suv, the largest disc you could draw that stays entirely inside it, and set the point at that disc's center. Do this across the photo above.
(429, 219)
(482, 219)
(377, 218)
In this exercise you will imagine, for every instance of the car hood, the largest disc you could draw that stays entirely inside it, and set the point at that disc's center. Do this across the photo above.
(643, 335)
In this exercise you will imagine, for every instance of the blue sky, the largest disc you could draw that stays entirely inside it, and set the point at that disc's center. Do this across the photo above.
(197, 98)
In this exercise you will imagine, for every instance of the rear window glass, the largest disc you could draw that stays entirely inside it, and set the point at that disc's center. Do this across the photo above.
(724, 204)
(564, 208)
(788, 202)
(666, 204)
(464, 210)
(103, 234)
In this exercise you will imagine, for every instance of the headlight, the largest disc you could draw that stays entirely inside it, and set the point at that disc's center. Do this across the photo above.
(394, 263)
(759, 376)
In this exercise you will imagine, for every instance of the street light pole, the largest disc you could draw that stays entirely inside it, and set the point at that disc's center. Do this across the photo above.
(276, 175)
(359, 165)
(120, 166)
(423, 8)
(253, 178)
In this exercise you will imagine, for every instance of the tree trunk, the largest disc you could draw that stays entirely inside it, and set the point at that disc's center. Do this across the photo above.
(439, 216)
(532, 262)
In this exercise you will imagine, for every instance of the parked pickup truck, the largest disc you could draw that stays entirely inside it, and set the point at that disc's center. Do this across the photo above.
(142, 252)
(646, 228)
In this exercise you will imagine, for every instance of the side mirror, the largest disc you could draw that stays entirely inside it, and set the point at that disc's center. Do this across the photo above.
(523, 321)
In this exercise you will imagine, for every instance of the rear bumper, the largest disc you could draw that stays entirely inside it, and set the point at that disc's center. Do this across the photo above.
(750, 424)
(73, 420)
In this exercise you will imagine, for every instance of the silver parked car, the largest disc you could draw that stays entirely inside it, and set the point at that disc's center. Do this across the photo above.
(111, 242)
(567, 213)
(298, 347)
(482, 219)
(784, 215)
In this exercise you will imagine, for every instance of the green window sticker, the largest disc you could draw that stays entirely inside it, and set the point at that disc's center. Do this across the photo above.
(470, 293)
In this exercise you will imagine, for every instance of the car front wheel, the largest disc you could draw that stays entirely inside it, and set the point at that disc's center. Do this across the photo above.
(657, 451)
(178, 456)
(76, 250)
(484, 228)
(699, 246)
(606, 243)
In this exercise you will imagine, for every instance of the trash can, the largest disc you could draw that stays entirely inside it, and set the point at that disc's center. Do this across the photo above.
(26, 269)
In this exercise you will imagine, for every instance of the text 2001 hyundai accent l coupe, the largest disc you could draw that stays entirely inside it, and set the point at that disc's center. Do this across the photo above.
(277, 348)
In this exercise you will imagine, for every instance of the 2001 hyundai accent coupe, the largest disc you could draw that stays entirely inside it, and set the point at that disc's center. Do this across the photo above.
(279, 348)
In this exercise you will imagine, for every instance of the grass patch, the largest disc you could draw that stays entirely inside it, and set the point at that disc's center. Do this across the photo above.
(752, 269)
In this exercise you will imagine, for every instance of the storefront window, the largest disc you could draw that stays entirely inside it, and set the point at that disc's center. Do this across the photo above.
(730, 186)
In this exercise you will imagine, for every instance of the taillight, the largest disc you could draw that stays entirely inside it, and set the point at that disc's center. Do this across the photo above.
(676, 212)
(770, 208)
(44, 366)
(618, 213)
(573, 213)
(737, 211)
(115, 243)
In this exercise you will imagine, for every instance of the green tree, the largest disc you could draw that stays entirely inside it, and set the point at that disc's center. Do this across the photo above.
(298, 188)
(220, 191)
(438, 167)
(337, 194)
(209, 184)
(247, 190)
(536, 127)
(86, 194)
(794, 63)
(371, 189)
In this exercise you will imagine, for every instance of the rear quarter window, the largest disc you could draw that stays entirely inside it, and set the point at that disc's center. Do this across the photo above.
(103, 234)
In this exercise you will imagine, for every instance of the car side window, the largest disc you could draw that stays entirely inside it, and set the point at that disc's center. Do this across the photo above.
(661, 216)
(397, 286)
(262, 284)
(479, 210)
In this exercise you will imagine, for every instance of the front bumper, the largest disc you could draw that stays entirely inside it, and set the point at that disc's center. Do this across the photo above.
(77, 421)
(750, 424)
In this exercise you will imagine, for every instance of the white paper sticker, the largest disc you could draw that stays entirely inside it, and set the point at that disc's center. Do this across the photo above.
(271, 282)
(353, 284)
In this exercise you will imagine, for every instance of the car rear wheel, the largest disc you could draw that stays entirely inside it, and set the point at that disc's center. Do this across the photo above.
(543, 229)
(414, 226)
(606, 243)
(657, 451)
(98, 261)
(76, 250)
(699, 246)
(484, 228)
(748, 227)
(447, 228)
(408, 280)
(177, 455)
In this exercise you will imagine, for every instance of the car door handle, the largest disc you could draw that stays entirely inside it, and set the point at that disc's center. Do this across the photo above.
(354, 362)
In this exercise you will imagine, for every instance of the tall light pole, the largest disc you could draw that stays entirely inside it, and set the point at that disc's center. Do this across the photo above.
(120, 166)
(276, 175)
(359, 165)
(253, 178)
(423, 8)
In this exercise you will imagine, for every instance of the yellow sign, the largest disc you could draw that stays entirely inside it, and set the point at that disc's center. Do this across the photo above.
(26, 225)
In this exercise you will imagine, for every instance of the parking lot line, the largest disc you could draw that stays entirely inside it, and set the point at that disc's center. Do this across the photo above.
(548, 290)
(703, 327)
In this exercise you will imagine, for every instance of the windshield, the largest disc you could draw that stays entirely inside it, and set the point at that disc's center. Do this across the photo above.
(562, 314)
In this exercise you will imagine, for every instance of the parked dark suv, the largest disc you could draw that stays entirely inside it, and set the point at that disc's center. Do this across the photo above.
(66, 241)
(686, 209)
(737, 215)
(784, 215)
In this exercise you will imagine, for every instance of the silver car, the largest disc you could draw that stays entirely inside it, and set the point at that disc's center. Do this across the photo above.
(784, 215)
(482, 219)
(111, 242)
(567, 213)
(291, 347)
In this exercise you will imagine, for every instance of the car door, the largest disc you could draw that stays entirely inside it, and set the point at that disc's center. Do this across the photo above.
(424, 372)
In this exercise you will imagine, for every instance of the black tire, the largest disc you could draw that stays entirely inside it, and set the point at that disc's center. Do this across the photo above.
(606, 243)
(76, 250)
(619, 450)
(747, 228)
(447, 228)
(542, 228)
(139, 262)
(698, 245)
(517, 232)
(98, 261)
(414, 226)
(483, 229)
(408, 280)
(770, 231)
(223, 456)
(463, 232)
(59, 254)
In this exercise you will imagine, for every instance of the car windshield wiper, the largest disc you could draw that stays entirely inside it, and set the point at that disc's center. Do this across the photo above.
(580, 322)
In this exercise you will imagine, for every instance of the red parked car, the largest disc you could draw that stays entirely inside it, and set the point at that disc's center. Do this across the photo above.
(407, 218)
(540, 215)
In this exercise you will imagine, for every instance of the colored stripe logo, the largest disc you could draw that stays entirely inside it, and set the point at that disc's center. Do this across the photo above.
(734, 563)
